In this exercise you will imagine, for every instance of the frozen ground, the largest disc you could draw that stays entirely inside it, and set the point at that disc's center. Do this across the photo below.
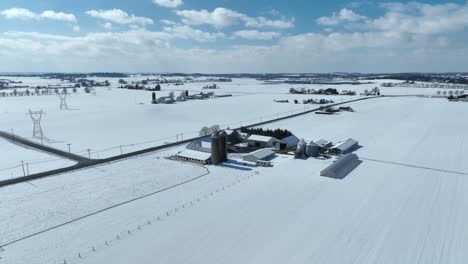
(34, 161)
(117, 117)
(404, 204)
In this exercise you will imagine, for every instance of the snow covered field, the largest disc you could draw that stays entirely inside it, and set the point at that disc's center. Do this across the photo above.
(118, 120)
(403, 204)
(34, 161)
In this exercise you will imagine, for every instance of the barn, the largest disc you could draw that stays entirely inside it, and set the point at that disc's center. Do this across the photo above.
(261, 154)
(258, 141)
(341, 167)
(344, 147)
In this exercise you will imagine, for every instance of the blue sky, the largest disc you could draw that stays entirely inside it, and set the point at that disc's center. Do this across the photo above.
(233, 35)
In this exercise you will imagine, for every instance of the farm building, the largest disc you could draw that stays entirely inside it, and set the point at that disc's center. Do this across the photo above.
(203, 145)
(341, 167)
(261, 154)
(288, 143)
(194, 156)
(323, 144)
(312, 149)
(344, 147)
(258, 141)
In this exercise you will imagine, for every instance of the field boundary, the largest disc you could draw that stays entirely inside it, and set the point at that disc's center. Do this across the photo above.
(91, 163)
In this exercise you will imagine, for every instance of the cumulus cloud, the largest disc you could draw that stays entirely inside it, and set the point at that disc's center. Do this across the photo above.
(119, 17)
(223, 17)
(345, 15)
(366, 51)
(422, 18)
(256, 35)
(187, 32)
(169, 3)
(26, 14)
(107, 25)
(18, 13)
(380, 44)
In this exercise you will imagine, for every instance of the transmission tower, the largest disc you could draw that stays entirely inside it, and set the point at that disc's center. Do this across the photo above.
(63, 101)
(36, 117)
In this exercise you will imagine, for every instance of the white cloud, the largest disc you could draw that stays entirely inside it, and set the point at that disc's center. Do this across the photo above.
(168, 22)
(402, 39)
(422, 18)
(119, 17)
(76, 28)
(222, 17)
(59, 16)
(311, 52)
(345, 15)
(107, 26)
(18, 13)
(26, 14)
(256, 35)
(169, 3)
(187, 32)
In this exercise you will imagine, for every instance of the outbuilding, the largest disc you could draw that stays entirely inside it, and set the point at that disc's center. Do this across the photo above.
(341, 167)
(258, 141)
(194, 156)
(288, 143)
(344, 147)
(261, 154)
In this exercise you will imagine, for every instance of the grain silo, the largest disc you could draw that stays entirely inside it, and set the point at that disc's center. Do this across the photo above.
(312, 149)
(215, 155)
(301, 148)
(219, 147)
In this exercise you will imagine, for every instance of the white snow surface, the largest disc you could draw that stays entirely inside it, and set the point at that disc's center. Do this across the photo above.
(33, 161)
(404, 204)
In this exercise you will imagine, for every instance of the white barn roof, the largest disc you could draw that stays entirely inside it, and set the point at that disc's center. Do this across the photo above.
(192, 154)
(259, 154)
(259, 138)
(341, 167)
(346, 145)
(291, 140)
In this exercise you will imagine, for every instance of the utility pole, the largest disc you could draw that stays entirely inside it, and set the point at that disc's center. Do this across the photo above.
(89, 153)
(22, 165)
(69, 149)
(27, 168)
(121, 152)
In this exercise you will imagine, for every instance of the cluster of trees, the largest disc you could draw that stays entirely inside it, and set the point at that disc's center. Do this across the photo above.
(321, 101)
(426, 85)
(328, 91)
(36, 91)
(374, 91)
(429, 78)
(206, 131)
(451, 92)
(277, 133)
(212, 87)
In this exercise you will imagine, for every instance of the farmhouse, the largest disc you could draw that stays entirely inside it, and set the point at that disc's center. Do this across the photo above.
(261, 154)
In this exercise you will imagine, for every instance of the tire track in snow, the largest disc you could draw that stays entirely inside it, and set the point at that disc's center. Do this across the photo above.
(416, 166)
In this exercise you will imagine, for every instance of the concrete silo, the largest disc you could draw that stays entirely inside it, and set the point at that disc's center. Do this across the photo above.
(301, 148)
(219, 147)
(223, 148)
(312, 149)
